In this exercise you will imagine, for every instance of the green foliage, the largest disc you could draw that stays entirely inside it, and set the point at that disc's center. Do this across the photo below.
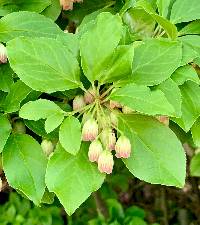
(4, 131)
(29, 164)
(155, 152)
(37, 70)
(135, 57)
(20, 211)
(70, 135)
(142, 99)
(26, 24)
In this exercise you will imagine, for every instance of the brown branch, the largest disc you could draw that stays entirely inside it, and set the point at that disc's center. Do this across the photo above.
(100, 204)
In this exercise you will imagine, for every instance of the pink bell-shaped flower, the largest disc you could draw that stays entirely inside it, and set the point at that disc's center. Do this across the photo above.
(114, 104)
(3, 54)
(78, 102)
(106, 162)
(66, 4)
(90, 130)
(89, 96)
(123, 147)
(163, 119)
(47, 147)
(95, 149)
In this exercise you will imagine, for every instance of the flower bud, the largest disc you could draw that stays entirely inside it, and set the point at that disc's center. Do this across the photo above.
(90, 130)
(127, 110)
(1, 184)
(113, 119)
(95, 150)
(19, 127)
(163, 119)
(105, 162)
(3, 54)
(114, 104)
(108, 138)
(123, 147)
(89, 96)
(78, 102)
(66, 4)
(47, 147)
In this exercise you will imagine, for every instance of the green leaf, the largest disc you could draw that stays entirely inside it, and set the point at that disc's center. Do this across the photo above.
(25, 170)
(38, 127)
(185, 73)
(72, 178)
(173, 95)
(155, 61)
(53, 11)
(70, 135)
(139, 22)
(6, 77)
(190, 105)
(185, 10)
(18, 92)
(120, 65)
(195, 165)
(157, 155)
(193, 41)
(31, 61)
(39, 109)
(27, 24)
(169, 27)
(163, 7)
(5, 129)
(188, 54)
(142, 99)
(128, 4)
(98, 44)
(9, 6)
(191, 28)
(53, 121)
(70, 41)
(196, 132)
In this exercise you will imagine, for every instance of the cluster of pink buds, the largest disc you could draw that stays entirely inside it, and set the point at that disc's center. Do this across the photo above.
(3, 54)
(100, 125)
(68, 4)
(103, 143)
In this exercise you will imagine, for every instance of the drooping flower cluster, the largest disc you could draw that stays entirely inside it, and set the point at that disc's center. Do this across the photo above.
(68, 4)
(103, 142)
(100, 127)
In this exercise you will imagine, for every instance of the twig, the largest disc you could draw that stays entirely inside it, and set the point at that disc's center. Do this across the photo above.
(100, 204)
(164, 206)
